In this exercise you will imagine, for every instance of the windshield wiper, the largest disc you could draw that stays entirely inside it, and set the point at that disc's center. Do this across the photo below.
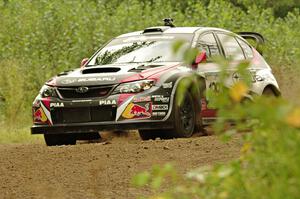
(153, 59)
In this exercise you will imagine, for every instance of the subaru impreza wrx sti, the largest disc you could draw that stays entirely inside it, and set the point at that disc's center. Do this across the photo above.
(131, 82)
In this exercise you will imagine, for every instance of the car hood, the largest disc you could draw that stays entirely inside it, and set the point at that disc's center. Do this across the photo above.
(110, 74)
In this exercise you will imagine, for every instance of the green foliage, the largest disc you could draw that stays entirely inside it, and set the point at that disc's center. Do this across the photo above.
(39, 39)
(156, 176)
(19, 135)
(43, 38)
(268, 166)
(280, 8)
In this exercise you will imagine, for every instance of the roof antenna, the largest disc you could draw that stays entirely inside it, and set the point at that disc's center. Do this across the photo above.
(168, 22)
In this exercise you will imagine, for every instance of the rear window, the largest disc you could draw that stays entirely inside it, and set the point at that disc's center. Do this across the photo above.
(231, 47)
(247, 49)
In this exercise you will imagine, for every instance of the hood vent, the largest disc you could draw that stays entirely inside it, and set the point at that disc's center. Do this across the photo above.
(64, 73)
(101, 70)
(143, 67)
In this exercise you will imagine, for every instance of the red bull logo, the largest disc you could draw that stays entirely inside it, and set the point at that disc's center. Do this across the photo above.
(39, 116)
(134, 111)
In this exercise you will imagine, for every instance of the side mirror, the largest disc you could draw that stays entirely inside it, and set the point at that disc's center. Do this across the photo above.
(83, 62)
(200, 58)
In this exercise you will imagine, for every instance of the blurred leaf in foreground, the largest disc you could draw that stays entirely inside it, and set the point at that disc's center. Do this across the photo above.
(238, 91)
(293, 119)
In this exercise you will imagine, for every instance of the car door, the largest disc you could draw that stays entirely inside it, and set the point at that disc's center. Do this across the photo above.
(224, 44)
(207, 42)
(233, 52)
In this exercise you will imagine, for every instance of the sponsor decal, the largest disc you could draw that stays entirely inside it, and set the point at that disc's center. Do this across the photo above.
(56, 104)
(90, 79)
(40, 116)
(123, 101)
(134, 111)
(215, 86)
(236, 77)
(142, 99)
(108, 102)
(167, 85)
(160, 107)
(161, 98)
(158, 113)
(68, 81)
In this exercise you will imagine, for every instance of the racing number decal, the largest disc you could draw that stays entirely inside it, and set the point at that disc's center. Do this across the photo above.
(215, 86)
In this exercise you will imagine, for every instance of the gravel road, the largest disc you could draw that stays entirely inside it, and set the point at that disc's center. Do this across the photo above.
(104, 169)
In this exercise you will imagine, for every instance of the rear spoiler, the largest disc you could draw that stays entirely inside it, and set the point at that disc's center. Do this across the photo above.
(254, 36)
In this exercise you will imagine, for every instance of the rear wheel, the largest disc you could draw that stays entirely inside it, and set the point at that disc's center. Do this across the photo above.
(59, 139)
(268, 92)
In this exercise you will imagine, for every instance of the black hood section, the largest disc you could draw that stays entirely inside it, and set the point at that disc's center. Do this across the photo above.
(101, 70)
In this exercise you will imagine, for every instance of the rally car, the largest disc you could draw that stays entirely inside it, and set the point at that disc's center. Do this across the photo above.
(131, 82)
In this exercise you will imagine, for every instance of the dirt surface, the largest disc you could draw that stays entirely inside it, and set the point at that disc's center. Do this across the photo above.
(101, 170)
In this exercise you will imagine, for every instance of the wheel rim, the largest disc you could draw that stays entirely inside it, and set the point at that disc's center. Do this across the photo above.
(186, 115)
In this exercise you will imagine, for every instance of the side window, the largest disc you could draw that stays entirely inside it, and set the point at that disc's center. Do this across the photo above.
(208, 43)
(247, 49)
(231, 47)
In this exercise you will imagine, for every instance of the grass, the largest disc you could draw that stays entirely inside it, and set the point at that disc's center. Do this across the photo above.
(18, 135)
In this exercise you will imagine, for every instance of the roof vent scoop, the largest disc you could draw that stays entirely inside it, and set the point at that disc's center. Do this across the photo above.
(158, 29)
(168, 22)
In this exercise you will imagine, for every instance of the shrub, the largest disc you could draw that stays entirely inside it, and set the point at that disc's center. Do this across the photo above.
(268, 163)
(43, 38)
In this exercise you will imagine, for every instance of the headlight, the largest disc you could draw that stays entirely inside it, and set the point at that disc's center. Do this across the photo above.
(134, 87)
(47, 91)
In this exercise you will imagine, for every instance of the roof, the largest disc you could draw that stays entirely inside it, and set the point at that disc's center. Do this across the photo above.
(169, 30)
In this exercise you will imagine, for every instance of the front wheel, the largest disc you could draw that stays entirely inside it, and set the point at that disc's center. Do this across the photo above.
(59, 139)
(184, 122)
(184, 118)
(151, 134)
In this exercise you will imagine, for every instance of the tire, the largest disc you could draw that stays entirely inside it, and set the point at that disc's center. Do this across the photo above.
(184, 118)
(59, 139)
(88, 136)
(151, 134)
(184, 122)
(268, 92)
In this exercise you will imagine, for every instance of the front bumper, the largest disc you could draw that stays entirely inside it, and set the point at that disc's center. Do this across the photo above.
(148, 110)
(99, 126)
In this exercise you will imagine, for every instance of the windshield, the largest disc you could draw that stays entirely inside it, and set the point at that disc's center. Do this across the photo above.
(137, 49)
